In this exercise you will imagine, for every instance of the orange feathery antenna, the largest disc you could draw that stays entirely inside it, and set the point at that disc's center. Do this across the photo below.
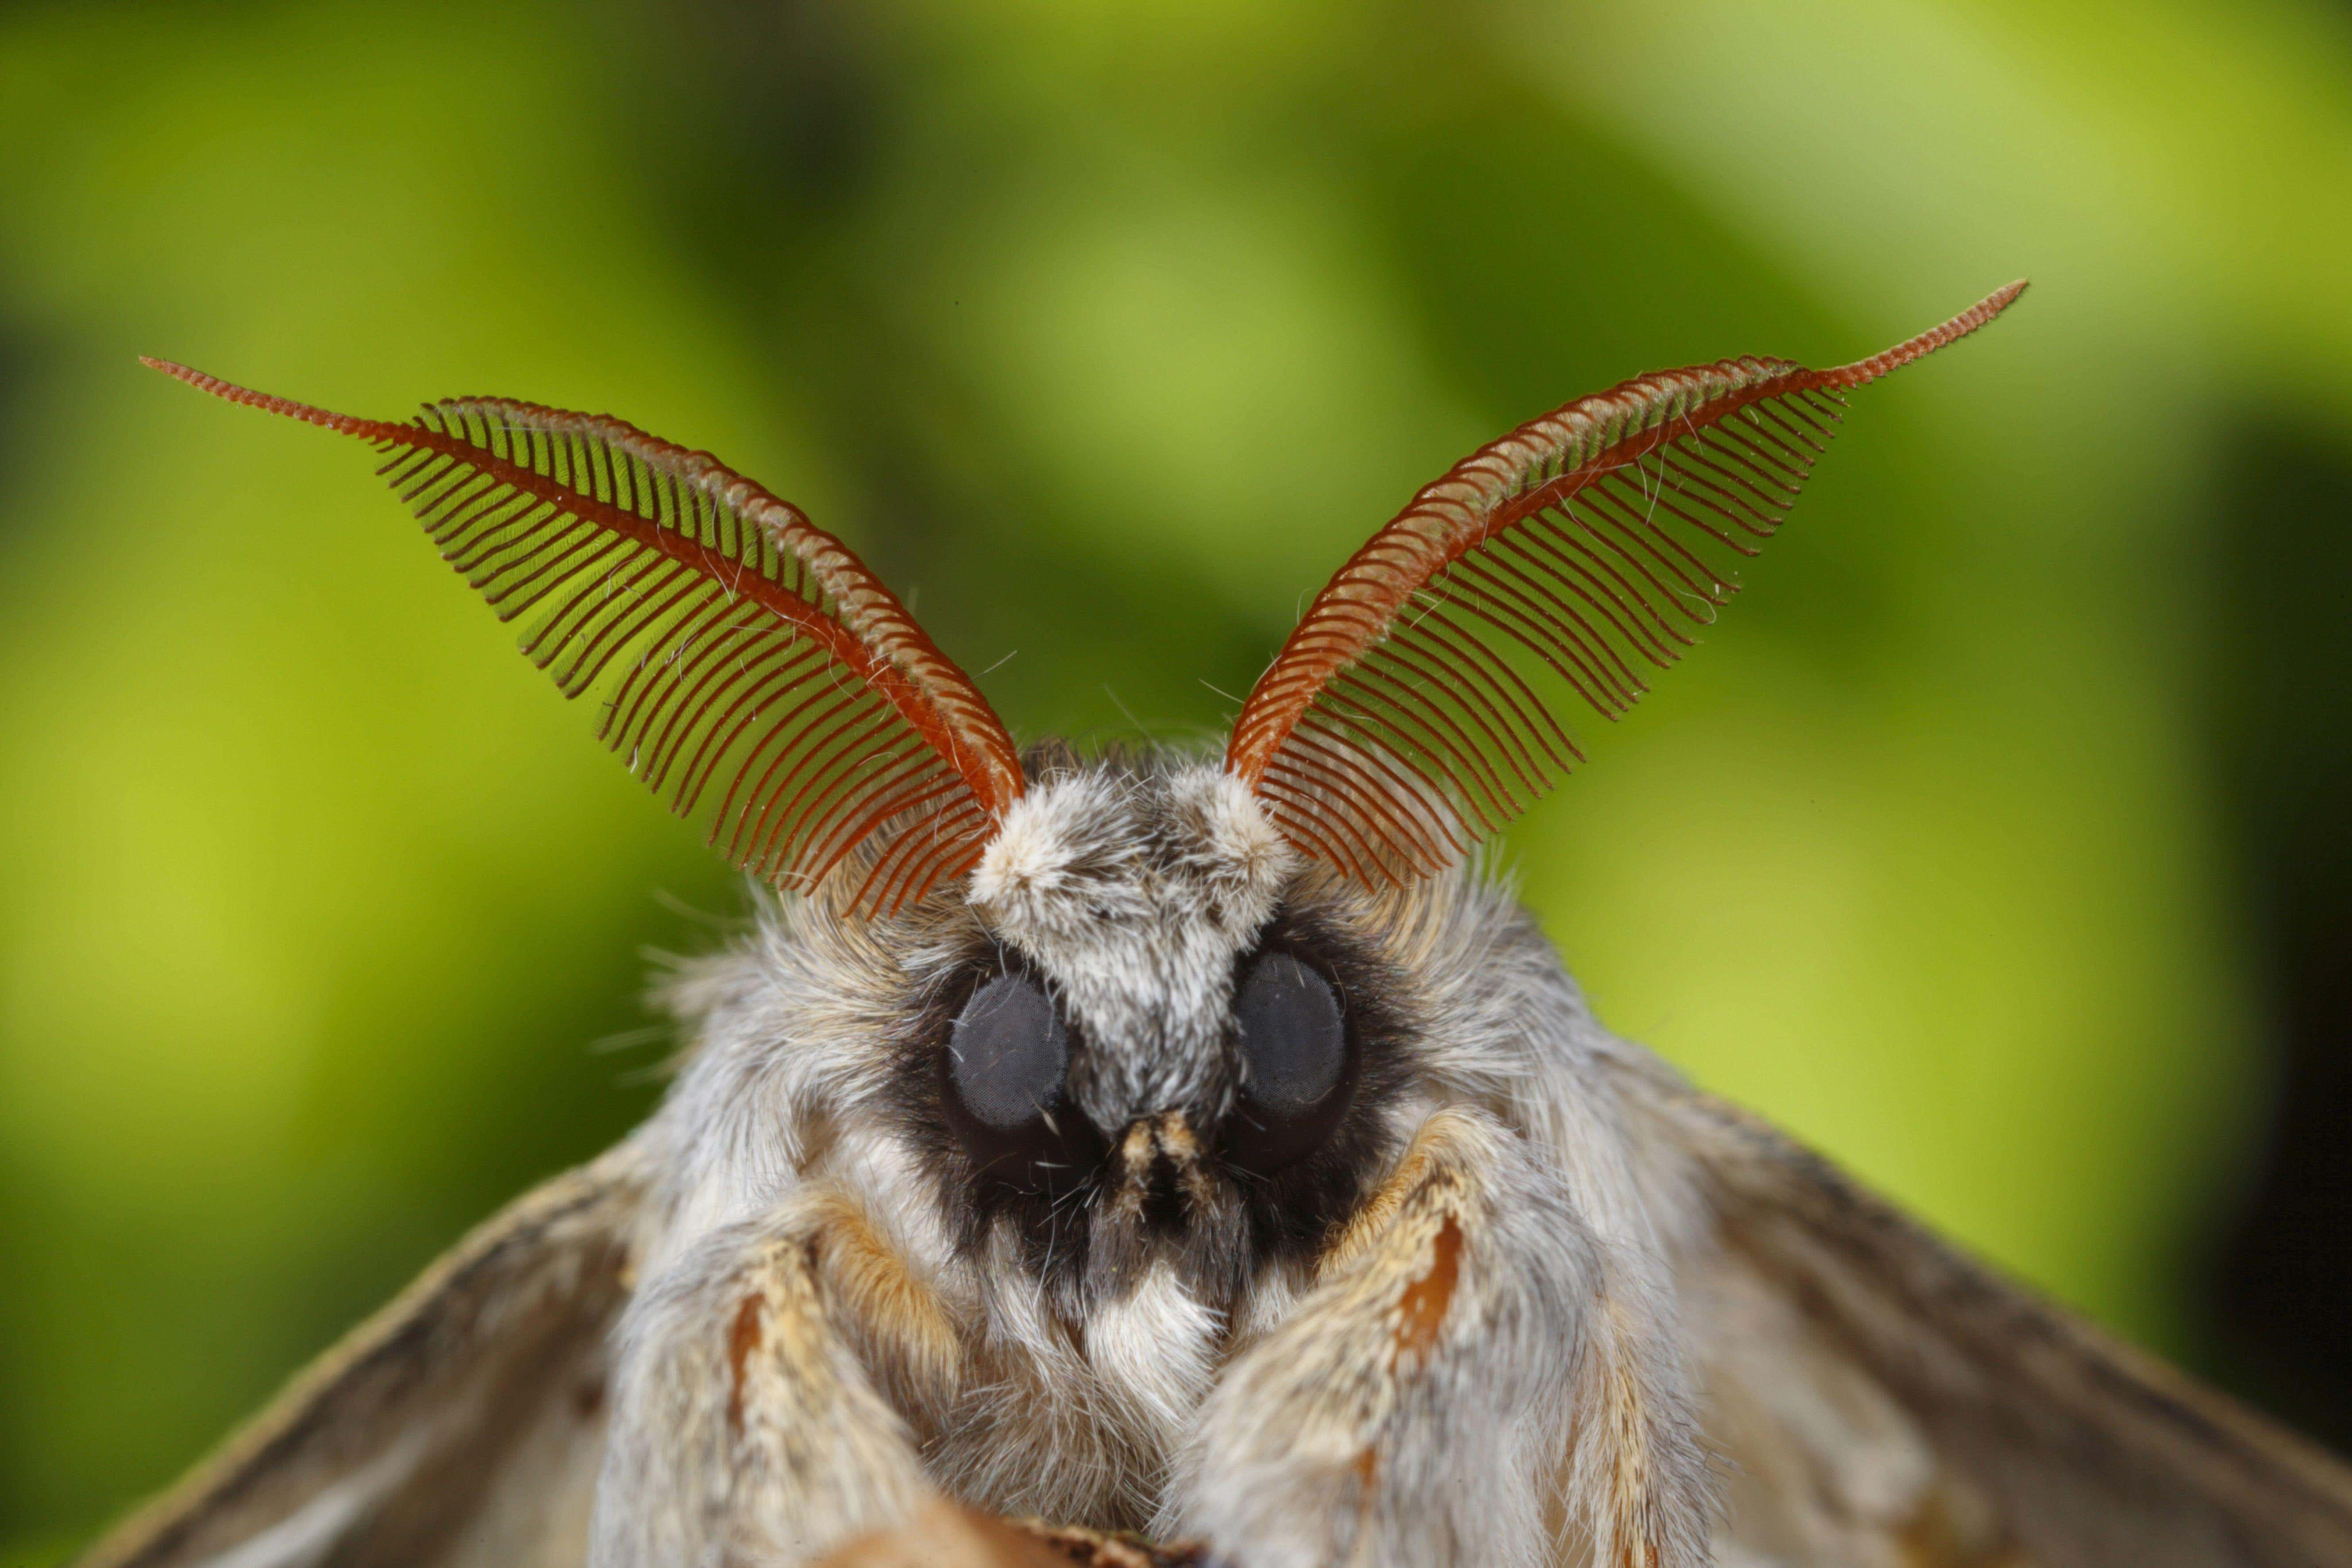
(736, 645)
(1392, 731)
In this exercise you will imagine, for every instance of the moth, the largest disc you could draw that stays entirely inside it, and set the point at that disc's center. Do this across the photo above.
(1204, 1146)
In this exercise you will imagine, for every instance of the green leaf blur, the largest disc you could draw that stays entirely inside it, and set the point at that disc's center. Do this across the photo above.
(1106, 330)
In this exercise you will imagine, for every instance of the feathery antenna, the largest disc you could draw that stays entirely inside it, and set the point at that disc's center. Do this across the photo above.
(1395, 729)
(750, 666)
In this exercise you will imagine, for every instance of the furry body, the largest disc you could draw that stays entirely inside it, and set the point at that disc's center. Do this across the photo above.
(1535, 1302)
(1471, 1355)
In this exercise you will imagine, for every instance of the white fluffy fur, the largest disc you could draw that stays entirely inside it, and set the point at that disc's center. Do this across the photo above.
(1549, 1415)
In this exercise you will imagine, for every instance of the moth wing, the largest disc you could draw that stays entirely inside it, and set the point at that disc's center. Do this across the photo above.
(461, 1425)
(1881, 1398)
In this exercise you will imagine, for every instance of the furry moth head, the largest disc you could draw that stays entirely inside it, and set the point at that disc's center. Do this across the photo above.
(1164, 1008)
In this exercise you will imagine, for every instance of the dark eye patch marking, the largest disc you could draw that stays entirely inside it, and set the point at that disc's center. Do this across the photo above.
(1293, 1152)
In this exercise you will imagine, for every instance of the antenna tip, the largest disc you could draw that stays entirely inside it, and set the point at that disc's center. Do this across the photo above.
(1926, 342)
(230, 392)
(194, 378)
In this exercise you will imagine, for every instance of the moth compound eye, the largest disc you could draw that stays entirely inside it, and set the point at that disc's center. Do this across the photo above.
(1006, 1054)
(1296, 1063)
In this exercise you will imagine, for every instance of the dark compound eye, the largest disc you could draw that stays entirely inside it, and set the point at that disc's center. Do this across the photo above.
(1006, 1057)
(1296, 1063)
(1008, 1052)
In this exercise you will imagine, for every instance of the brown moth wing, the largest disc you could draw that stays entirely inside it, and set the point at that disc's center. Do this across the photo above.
(461, 1425)
(1880, 1398)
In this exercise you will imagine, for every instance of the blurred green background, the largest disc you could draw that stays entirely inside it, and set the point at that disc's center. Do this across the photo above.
(1998, 842)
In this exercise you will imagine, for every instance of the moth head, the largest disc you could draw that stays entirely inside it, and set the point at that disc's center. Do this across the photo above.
(1130, 1008)
(1151, 1031)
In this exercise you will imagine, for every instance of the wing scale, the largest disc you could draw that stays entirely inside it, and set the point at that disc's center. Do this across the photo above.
(462, 1425)
(1885, 1399)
